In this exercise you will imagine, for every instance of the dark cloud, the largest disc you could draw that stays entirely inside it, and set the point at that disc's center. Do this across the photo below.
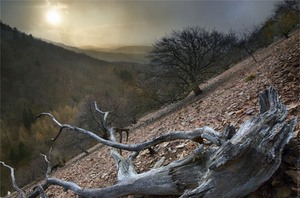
(130, 22)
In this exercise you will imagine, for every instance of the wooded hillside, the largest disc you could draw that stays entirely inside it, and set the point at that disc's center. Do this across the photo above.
(38, 76)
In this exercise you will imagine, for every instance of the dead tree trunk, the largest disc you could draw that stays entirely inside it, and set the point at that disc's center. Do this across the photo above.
(233, 166)
(250, 53)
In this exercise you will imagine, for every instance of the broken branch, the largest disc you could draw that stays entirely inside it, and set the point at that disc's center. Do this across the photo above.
(202, 133)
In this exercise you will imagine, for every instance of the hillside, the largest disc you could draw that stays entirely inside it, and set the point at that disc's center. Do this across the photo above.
(42, 73)
(133, 49)
(116, 56)
(230, 98)
(37, 76)
(31, 67)
(40, 76)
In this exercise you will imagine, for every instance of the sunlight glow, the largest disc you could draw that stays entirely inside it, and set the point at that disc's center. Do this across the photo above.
(53, 17)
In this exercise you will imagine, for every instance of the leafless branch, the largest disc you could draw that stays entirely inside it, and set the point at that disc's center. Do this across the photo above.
(13, 179)
(105, 116)
(196, 135)
(42, 192)
(48, 172)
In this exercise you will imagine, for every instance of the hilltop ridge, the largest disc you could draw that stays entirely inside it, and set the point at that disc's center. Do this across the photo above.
(132, 54)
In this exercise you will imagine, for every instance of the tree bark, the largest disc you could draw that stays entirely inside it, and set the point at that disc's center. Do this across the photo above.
(197, 91)
(250, 53)
(235, 165)
(286, 35)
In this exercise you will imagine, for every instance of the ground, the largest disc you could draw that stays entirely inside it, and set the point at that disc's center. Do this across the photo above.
(230, 98)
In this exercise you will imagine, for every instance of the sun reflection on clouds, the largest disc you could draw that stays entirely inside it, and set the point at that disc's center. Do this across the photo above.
(57, 4)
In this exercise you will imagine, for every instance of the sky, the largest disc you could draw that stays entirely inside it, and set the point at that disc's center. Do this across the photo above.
(99, 23)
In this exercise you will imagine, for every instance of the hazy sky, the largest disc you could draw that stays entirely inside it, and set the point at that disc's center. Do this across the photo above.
(108, 23)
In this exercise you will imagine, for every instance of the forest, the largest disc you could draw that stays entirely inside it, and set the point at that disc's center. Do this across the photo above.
(37, 76)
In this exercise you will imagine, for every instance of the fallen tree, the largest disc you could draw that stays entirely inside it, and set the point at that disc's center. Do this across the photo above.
(233, 164)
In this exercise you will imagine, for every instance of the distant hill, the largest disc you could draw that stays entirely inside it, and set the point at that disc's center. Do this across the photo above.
(117, 57)
(38, 76)
(133, 49)
(121, 54)
(42, 76)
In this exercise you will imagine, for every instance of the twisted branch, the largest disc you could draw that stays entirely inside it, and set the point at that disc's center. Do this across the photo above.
(196, 135)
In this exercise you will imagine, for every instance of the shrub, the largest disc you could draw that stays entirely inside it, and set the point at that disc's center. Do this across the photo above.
(250, 77)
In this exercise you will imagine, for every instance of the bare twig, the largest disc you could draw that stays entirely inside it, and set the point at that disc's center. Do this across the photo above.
(13, 179)
(48, 172)
(55, 121)
(42, 192)
(105, 113)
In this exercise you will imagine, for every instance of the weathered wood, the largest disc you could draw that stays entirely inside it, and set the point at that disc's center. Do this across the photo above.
(236, 163)
(251, 156)
(12, 174)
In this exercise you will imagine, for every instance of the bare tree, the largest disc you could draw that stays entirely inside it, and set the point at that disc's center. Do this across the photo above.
(185, 57)
(287, 16)
(155, 91)
(236, 163)
(120, 114)
(287, 5)
(248, 41)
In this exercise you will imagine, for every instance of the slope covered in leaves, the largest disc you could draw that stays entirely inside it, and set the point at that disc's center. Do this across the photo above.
(230, 98)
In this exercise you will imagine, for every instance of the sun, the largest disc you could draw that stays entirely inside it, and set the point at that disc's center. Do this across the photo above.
(53, 17)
